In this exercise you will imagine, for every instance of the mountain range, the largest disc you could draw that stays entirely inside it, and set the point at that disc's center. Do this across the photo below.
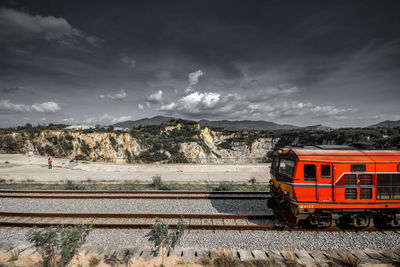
(241, 125)
(229, 125)
(386, 124)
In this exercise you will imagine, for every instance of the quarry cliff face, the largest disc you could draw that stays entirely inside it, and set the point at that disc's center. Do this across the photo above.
(177, 143)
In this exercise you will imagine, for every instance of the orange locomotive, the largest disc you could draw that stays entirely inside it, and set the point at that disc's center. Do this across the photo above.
(329, 185)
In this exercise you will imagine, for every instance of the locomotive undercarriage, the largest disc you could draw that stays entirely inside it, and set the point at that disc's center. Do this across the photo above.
(322, 218)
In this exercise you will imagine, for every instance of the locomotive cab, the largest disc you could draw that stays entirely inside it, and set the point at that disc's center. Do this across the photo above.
(336, 185)
(282, 170)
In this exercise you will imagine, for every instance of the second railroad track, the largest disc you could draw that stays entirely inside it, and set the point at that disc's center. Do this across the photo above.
(156, 194)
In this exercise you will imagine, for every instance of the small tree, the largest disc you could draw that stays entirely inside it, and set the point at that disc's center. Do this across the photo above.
(58, 244)
(164, 239)
(158, 183)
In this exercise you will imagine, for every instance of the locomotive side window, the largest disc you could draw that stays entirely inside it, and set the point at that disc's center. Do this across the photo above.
(388, 186)
(365, 179)
(358, 167)
(310, 173)
(275, 163)
(396, 186)
(365, 193)
(350, 179)
(384, 186)
(286, 166)
(325, 171)
(350, 193)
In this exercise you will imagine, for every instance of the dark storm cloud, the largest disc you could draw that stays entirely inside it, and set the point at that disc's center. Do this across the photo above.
(10, 90)
(287, 61)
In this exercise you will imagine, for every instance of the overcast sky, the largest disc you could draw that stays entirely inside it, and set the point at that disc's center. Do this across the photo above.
(335, 63)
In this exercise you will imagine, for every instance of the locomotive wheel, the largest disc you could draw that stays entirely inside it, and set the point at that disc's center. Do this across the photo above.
(320, 220)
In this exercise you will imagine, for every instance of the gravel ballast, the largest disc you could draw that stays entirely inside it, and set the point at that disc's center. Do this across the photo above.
(183, 206)
(238, 240)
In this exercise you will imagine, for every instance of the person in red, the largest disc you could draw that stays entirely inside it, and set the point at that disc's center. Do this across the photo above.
(50, 162)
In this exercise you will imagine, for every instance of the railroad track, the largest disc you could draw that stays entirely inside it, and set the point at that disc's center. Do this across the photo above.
(136, 221)
(85, 194)
(225, 222)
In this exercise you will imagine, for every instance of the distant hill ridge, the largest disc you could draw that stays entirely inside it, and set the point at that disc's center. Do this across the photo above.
(230, 125)
(386, 124)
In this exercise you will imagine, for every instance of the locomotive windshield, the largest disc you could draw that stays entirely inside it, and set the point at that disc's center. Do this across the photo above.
(286, 166)
(283, 166)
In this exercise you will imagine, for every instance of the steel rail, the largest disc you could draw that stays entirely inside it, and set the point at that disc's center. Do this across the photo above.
(65, 194)
(182, 192)
(137, 215)
(133, 197)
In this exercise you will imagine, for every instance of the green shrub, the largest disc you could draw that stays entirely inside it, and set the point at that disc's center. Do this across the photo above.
(67, 146)
(9, 144)
(225, 145)
(58, 244)
(128, 155)
(163, 239)
(85, 148)
(49, 150)
(225, 186)
(113, 142)
(70, 185)
(158, 183)
(52, 139)
(69, 137)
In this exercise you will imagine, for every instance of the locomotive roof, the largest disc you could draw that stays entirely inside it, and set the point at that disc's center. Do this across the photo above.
(350, 155)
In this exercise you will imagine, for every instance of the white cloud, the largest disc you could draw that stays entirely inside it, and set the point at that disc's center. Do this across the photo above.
(69, 120)
(140, 106)
(128, 61)
(49, 107)
(6, 105)
(194, 103)
(193, 80)
(106, 119)
(120, 119)
(19, 25)
(272, 103)
(156, 98)
(118, 96)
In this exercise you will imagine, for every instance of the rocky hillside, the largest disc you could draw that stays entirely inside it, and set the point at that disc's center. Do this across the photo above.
(173, 142)
(180, 141)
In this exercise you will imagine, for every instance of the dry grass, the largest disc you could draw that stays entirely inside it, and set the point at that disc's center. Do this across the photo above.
(94, 261)
(220, 259)
(349, 260)
(224, 258)
(290, 258)
(396, 258)
(271, 262)
(13, 256)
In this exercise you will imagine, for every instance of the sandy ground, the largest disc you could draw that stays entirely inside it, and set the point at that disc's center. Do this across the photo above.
(84, 260)
(20, 167)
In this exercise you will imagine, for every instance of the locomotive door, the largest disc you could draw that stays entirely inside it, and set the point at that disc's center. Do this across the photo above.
(325, 182)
